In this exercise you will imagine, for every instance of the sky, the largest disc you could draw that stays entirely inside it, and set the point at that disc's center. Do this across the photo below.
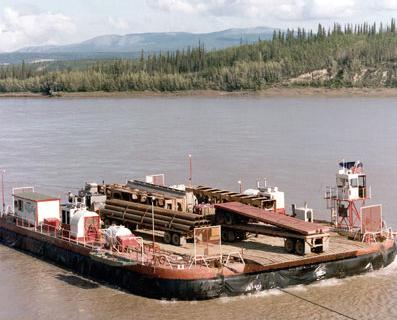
(47, 22)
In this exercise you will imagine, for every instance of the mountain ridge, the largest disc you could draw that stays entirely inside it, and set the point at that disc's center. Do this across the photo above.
(157, 41)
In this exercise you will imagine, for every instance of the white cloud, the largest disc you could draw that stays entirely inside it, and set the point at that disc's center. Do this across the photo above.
(388, 4)
(263, 9)
(225, 8)
(17, 29)
(320, 9)
(193, 6)
(118, 23)
(210, 15)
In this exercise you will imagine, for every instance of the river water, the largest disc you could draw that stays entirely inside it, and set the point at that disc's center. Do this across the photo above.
(296, 143)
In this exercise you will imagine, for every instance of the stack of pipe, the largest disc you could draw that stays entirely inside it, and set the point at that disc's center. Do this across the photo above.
(141, 215)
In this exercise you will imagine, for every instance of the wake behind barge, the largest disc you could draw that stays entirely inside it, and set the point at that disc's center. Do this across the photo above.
(200, 243)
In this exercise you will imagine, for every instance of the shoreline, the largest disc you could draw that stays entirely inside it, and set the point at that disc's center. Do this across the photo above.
(270, 92)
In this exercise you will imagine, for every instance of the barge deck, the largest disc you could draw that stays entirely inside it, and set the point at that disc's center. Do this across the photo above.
(269, 251)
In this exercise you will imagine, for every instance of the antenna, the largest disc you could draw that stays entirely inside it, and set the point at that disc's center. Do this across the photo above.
(2, 190)
(190, 170)
(154, 238)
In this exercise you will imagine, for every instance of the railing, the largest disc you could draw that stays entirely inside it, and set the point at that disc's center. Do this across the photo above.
(368, 237)
(145, 256)
(162, 259)
(203, 260)
(52, 231)
(131, 253)
(232, 254)
(335, 193)
(139, 254)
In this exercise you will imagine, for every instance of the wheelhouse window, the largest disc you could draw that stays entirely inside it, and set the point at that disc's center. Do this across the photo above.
(354, 182)
(18, 204)
(65, 217)
(341, 182)
(361, 181)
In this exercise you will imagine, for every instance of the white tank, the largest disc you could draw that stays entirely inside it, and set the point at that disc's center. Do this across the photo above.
(251, 192)
(113, 232)
(81, 221)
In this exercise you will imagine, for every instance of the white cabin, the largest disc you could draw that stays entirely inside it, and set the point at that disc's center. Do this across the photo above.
(34, 207)
(351, 181)
(351, 191)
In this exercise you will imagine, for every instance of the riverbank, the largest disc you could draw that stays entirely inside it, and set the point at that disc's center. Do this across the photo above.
(270, 92)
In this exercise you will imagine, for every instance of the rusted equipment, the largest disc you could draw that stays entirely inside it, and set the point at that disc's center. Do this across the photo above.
(157, 210)
(282, 221)
(213, 195)
(138, 220)
(143, 192)
(300, 237)
(126, 211)
(293, 243)
(175, 224)
(52, 224)
(120, 238)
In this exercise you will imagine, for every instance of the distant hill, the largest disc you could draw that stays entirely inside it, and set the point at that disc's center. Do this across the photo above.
(359, 56)
(130, 45)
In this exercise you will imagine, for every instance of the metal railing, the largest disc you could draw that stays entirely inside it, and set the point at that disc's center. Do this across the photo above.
(233, 254)
(143, 253)
(54, 232)
(223, 259)
(335, 193)
(130, 253)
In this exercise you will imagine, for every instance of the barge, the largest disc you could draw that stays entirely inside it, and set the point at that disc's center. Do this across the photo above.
(153, 241)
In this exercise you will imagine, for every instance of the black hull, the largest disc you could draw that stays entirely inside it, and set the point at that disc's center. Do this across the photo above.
(153, 287)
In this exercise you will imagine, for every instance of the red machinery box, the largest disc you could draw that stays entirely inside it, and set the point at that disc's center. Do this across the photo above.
(51, 224)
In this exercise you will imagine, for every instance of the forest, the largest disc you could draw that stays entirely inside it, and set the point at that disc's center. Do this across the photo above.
(363, 55)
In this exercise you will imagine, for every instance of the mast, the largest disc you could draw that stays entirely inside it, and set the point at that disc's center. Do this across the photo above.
(2, 191)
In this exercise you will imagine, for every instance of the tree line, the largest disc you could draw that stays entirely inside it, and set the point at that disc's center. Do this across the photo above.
(342, 56)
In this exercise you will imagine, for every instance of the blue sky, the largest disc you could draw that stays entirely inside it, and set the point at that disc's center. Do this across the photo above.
(44, 22)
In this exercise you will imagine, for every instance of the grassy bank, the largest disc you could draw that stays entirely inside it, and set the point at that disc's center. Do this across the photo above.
(270, 92)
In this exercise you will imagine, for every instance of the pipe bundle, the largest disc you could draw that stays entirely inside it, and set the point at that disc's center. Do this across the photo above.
(141, 215)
